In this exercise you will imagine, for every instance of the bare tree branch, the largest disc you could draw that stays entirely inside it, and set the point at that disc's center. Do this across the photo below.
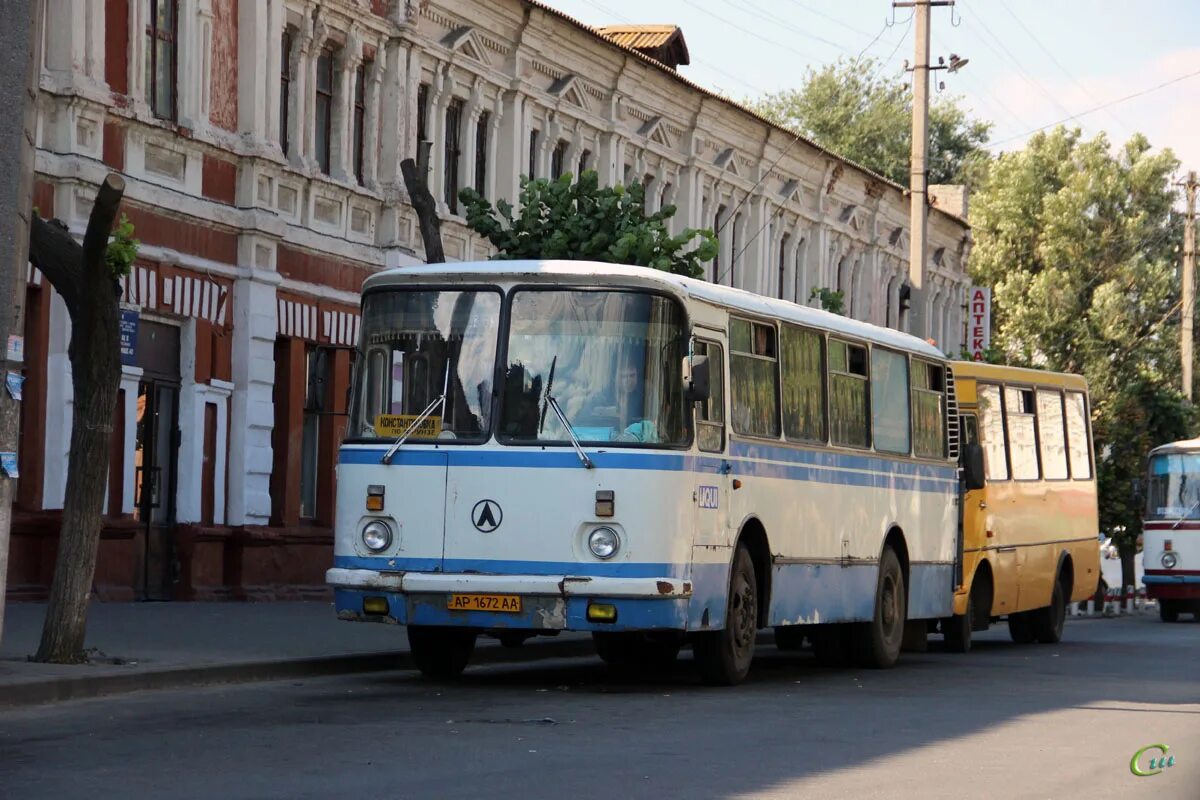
(100, 223)
(426, 208)
(54, 251)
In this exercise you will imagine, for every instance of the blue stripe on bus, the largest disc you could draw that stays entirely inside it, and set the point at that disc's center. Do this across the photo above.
(1168, 579)
(498, 567)
(755, 460)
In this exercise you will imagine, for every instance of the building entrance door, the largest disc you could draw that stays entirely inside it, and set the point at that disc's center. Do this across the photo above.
(156, 456)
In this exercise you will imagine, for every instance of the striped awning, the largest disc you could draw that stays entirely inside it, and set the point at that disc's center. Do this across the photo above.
(341, 327)
(297, 318)
(182, 294)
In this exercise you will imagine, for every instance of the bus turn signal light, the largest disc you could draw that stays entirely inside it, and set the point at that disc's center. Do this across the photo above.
(601, 612)
(375, 497)
(606, 503)
(375, 605)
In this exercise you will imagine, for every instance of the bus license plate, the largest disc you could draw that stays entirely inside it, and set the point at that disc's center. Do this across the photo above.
(509, 603)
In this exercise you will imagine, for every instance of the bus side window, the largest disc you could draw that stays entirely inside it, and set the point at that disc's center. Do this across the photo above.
(1077, 437)
(991, 433)
(1051, 435)
(1019, 415)
(969, 425)
(710, 415)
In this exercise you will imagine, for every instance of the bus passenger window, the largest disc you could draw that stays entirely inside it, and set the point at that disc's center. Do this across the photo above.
(929, 417)
(1052, 437)
(754, 378)
(991, 433)
(889, 401)
(1022, 433)
(710, 415)
(803, 384)
(1077, 437)
(848, 414)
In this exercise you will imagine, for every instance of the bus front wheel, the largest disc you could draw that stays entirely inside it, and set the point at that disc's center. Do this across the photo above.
(1168, 611)
(1020, 628)
(1047, 623)
(723, 656)
(877, 644)
(440, 653)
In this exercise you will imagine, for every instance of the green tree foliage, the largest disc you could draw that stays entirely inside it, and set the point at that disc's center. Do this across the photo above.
(851, 108)
(1080, 245)
(122, 249)
(832, 301)
(578, 220)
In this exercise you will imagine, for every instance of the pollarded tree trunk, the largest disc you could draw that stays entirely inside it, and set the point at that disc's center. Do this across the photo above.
(416, 182)
(82, 276)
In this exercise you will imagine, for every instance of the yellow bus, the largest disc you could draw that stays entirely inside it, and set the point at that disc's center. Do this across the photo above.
(1029, 536)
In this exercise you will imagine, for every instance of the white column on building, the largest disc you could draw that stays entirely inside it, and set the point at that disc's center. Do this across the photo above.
(253, 103)
(307, 108)
(475, 106)
(341, 155)
(190, 457)
(394, 144)
(610, 158)
(252, 410)
(271, 79)
(754, 244)
(137, 51)
(441, 91)
(65, 38)
(60, 401)
(374, 78)
(130, 378)
(510, 152)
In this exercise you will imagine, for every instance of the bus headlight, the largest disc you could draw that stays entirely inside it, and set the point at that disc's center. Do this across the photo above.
(377, 535)
(1170, 559)
(604, 542)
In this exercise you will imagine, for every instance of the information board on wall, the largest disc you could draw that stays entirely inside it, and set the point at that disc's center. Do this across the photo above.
(979, 322)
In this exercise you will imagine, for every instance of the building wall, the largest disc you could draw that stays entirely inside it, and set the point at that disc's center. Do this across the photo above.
(255, 251)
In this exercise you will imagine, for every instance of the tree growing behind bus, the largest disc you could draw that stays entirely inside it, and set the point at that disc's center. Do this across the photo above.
(1080, 243)
(580, 220)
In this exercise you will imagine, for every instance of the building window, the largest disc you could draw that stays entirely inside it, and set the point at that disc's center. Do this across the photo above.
(533, 141)
(285, 90)
(557, 159)
(324, 110)
(733, 249)
(360, 113)
(716, 270)
(422, 114)
(481, 146)
(162, 57)
(453, 151)
(585, 161)
(316, 369)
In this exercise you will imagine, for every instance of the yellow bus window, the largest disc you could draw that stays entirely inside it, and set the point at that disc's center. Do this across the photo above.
(1022, 435)
(1050, 434)
(1077, 437)
(991, 433)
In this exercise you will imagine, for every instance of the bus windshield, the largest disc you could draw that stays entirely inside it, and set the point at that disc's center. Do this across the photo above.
(611, 360)
(417, 346)
(1173, 491)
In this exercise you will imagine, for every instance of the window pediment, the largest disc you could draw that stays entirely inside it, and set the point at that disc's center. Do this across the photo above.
(466, 41)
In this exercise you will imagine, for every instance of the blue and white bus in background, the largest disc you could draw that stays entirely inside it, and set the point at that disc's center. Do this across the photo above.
(1171, 531)
(539, 446)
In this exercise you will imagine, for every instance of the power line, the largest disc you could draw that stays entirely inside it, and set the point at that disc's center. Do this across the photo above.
(1093, 109)
(778, 20)
(748, 31)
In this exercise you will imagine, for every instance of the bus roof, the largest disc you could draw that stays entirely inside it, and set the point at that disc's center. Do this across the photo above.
(1182, 446)
(1000, 373)
(685, 288)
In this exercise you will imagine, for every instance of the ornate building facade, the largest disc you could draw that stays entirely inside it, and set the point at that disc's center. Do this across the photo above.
(261, 142)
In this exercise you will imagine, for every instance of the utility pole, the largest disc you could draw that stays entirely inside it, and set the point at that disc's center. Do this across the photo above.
(20, 34)
(1189, 283)
(918, 323)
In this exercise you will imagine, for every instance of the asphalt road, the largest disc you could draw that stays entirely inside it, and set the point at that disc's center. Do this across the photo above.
(1004, 721)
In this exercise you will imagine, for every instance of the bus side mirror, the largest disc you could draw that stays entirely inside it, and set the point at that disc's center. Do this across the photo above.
(972, 466)
(697, 386)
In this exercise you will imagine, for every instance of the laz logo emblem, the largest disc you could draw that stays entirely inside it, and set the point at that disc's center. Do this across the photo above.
(708, 496)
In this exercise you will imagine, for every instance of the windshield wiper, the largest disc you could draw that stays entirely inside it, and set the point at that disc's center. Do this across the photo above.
(1186, 514)
(416, 423)
(558, 412)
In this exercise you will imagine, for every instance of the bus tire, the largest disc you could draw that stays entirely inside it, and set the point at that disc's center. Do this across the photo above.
(635, 653)
(723, 656)
(877, 643)
(1168, 611)
(956, 630)
(1020, 628)
(1048, 622)
(789, 637)
(440, 653)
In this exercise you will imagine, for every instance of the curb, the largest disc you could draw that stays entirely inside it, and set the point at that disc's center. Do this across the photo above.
(82, 687)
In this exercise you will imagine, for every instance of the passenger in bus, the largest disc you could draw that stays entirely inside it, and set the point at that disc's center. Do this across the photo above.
(623, 411)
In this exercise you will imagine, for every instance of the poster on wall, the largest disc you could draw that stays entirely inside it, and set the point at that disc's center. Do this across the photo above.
(129, 334)
(979, 322)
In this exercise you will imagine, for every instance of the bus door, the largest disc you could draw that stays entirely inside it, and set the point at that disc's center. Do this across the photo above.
(713, 478)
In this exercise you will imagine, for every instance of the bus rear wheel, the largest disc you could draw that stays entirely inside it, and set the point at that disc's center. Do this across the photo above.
(724, 656)
(877, 644)
(1047, 623)
(440, 653)
(1168, 611)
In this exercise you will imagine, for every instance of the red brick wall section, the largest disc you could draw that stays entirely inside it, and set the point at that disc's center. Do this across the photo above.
(379, 7)
(32, 449)
(309, 268)
(218, 179)
(224, 106)
(116, 46)
(43, 199)
(204, 240)
(114, 144)
(287, 437)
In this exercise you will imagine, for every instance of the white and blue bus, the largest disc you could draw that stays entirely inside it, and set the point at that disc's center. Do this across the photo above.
(544, 446)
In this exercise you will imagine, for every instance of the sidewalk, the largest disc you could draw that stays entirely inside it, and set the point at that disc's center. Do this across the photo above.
(139, 646)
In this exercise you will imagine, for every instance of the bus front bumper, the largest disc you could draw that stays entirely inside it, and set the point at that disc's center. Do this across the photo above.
(547, 602)
(1171, 587)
